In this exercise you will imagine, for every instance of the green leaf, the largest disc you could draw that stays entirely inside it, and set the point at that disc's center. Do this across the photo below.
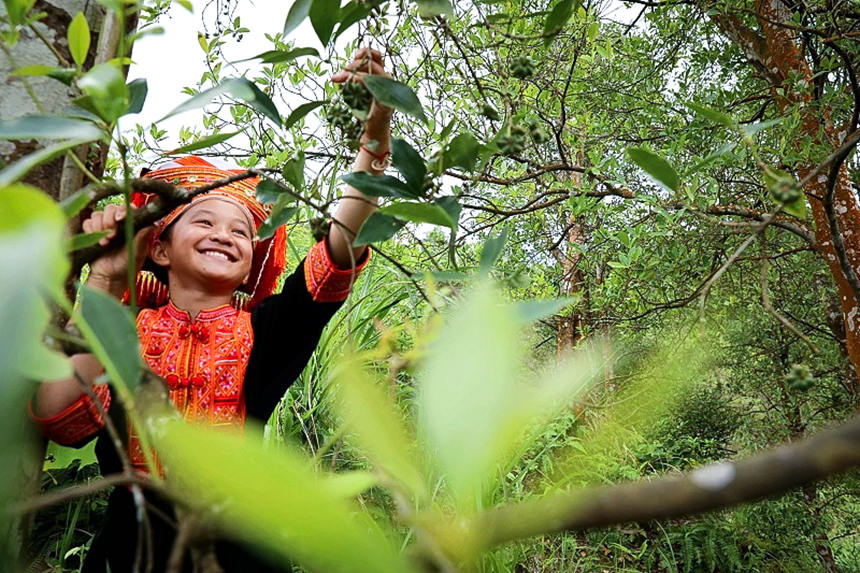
(324, 14)
(83, 240)
(73, 204)
(294, 171)
(528, 311)
(65, 75)
(377, 228)
(379, 185)
(281, 56)
(297, 14)
(463, 152)
(409, 163)
(451, 206)
(20, 168)
(299, 523)
(711, 114)
(492, 250)
(656, 167)
(204, 142)
(282, 212)
(186, 4)
(557, 18)
(18, 9)
(268, 191)
(49, 127)
(347, 485)
(752, 129)
(419, 213)
(110, 330)
(395, 94)
(352, 13)
(105, 85)
(137, 90)
(78, 36)
(433, 8)
(301, 111)
(379, 428)
(239, 88)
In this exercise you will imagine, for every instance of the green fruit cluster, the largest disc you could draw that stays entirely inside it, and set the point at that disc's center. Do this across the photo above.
(522, 67)
(536, 132)
(512, 142)
(799, 377)
(320, 228)
(490, 112)
(341, 118)
(356, 96)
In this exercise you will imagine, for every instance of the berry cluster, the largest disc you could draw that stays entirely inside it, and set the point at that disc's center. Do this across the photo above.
(320, 228)
(340, 117)
(356, 96)
(522, 67)
(799, 377)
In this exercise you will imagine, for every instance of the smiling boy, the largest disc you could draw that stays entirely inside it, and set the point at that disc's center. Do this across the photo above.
(211, 325)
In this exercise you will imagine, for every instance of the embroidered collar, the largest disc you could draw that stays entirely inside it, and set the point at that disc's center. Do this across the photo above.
(203, 316)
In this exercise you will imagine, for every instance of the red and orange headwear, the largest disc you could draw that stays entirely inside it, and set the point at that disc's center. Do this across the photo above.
(269, 259)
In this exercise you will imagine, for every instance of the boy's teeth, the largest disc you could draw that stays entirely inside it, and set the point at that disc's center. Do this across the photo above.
(216, 254)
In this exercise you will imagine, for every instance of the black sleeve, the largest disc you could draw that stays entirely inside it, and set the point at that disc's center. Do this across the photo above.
(287, 329)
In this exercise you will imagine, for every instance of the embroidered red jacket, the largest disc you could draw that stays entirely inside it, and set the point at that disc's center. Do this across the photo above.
(203, 361)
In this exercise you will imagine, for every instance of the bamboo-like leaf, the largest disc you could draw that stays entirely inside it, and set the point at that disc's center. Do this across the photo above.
(204, 142)
(297, 14)
(49, 127)
(20, 168)
(83, 240)
(300, 112)
(660, 171)
(78, 36)
(239, 88)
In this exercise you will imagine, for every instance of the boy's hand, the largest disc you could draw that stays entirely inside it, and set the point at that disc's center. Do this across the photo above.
(368, 61)
(108, 272)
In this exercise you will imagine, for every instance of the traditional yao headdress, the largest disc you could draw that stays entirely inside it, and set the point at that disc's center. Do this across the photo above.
(269, 258)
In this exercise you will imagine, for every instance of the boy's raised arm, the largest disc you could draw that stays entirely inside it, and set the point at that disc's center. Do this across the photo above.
(354, 206)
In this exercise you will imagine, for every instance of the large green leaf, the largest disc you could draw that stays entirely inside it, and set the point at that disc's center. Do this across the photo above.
(20, 168)
(379, 185)
(558, 17)
(65, 75)
(137, 90)
(49, 127)
(379, 428)
(297, 14)
(395, 94)
(656, 167)
(324, 14)
(462, 152)
(110, 330)
(409, 163)
(377, 228)
(108, 93)
(83, 240)
(294, 171)
(239, 88)
(272, 498)
(419, 213)
(351, 14)
(300, 112)
(18, 9)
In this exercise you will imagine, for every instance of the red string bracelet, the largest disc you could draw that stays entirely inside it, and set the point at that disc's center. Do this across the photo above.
(381, 161)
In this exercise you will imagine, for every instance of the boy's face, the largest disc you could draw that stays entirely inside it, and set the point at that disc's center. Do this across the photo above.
(210, 244)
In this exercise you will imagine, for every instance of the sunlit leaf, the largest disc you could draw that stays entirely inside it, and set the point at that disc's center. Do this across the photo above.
(78, 35)
(109, 95)
(376, 228)
(379, 428)
(273, 499)
(82, 240)
(65, 75)
(349, 484)
(18, 9)
(294, 170)
(660, 171)
(531, 310)
(281, 56)
(753, 128)
(711, 114)
(395, 94)
(282, 212)
(558, 17)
